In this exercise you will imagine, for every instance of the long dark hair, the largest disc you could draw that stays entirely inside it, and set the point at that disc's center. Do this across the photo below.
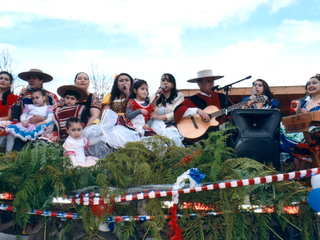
(173, 93)
(136, 84)
(266, 89)
(6, 93)
(115, 91)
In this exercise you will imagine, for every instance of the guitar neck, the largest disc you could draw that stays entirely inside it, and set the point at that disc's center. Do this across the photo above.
(223, 111)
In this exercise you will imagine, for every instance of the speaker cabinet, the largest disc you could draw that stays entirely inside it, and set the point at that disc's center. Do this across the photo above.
(258, 137)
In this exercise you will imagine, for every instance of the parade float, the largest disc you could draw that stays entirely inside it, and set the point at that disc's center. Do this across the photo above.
(154, 190)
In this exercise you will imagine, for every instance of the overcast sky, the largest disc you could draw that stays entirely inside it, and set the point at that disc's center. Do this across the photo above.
(276, 40)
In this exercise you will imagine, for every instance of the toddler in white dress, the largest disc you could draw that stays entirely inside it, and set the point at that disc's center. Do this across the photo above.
(75, 144)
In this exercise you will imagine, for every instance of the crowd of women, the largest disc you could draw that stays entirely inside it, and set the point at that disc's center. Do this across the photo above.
(89, 129)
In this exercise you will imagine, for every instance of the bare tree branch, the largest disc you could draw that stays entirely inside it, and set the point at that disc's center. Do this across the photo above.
(11, 66)
(100, 81)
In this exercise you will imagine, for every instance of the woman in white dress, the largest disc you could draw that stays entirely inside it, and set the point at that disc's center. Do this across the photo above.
(114, 104)
(165, 100)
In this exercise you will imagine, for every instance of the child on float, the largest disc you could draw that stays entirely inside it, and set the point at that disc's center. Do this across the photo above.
(29, 131)
(75, 144)
(71, 95)
(139, 112)
(139, 109)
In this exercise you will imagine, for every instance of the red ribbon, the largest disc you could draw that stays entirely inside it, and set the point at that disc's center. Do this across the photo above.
(175, 233)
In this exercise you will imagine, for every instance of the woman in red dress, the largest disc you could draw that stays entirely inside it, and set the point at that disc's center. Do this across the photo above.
(7, 99)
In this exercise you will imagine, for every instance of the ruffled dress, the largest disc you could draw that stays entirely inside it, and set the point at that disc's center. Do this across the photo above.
(138, 120)
(31, 132)
(114, 134)
(167, 129)
(113, 124)
(74, 148)
(295, 143)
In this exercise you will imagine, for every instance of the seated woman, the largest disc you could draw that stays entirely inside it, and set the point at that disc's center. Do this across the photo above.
(7, 99)
(118, 98)
(92, 105)
(259, 88)
(89, 116)
(114, 104)
(165, 100)
(301, 151)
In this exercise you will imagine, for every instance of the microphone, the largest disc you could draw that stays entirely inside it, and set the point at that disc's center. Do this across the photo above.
(254, 92)
(247, 77)
(123, 87)
(215, 88)
(23, 94)
(163, 87)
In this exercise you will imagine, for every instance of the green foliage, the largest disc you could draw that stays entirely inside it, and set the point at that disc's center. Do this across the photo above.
(211, 153)
(125, 230)
(40, 172)
(89, 220)
(306, 222)
(37, 174)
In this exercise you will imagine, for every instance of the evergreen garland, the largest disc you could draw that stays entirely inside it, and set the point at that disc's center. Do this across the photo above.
(40, 172)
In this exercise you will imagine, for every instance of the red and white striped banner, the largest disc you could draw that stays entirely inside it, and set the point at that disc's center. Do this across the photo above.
(289, 209)
(93, 198)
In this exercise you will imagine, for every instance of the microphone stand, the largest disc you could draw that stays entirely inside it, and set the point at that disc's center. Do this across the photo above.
(226, 89)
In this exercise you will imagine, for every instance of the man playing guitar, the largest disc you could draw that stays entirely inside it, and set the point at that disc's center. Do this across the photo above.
(206, 97)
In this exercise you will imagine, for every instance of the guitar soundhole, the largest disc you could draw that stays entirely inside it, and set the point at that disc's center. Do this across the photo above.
(194, 123)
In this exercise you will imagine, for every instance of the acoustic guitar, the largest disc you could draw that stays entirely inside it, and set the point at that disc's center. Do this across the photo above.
(193, 128)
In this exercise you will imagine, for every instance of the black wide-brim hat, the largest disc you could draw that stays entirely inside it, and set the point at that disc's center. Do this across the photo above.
(62, 90)
(25, 75)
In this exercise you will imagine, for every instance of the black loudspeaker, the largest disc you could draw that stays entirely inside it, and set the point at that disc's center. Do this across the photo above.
(259, 135)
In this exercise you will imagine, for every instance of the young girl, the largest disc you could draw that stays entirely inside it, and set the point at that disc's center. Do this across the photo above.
(29, 131)
(139, 109)
(75, 144)
(71, 95)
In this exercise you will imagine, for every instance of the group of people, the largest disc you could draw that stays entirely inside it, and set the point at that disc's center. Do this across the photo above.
(127, 114)
(87, 126)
